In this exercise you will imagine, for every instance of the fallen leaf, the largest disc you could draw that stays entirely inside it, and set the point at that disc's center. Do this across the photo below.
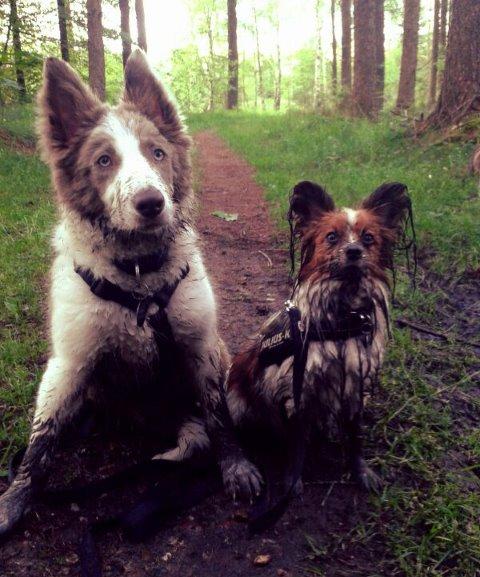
(228, 216)
(262, 560)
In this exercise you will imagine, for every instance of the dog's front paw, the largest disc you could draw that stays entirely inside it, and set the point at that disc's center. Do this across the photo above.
(12, 506)
(241, 478)
(367, 478)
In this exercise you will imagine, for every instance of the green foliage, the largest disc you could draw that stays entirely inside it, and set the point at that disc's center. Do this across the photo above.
(353, 157)
(26, 214)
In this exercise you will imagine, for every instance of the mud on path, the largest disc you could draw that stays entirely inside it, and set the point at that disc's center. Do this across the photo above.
(248, 266)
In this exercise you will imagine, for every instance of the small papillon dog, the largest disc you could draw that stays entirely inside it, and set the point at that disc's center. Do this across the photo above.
(342, 294)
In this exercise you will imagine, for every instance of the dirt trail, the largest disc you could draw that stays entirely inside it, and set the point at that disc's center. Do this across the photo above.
(249, 269)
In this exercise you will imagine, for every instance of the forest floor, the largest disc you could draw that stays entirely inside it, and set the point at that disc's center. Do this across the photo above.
(422, 426)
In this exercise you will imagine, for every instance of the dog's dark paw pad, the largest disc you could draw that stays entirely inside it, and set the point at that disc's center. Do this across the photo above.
(242, 479)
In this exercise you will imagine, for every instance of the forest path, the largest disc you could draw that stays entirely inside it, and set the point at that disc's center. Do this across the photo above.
(248, 264)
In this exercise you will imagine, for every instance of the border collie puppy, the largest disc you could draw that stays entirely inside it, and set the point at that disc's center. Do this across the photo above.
(132, 310)
(341, 294)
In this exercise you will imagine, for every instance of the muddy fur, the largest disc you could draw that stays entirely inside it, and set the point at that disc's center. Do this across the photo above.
(104, 161)
(345, 257)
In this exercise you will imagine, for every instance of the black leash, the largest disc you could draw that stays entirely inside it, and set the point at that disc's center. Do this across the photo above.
(267, 510)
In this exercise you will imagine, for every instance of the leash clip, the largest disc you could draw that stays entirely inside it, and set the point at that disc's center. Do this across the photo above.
(137, 271)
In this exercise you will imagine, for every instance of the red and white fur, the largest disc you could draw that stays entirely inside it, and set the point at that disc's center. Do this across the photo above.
(123, 181)
(345, 257)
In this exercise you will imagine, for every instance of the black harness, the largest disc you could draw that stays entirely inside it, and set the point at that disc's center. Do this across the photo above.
(137, 302)
(286, 336)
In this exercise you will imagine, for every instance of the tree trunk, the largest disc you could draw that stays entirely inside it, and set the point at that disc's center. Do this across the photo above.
(96, 56)
(365, 68)
(211, 61)
(346, 9)
(442, 40)
(408, 67)
(317, 82)
(63, 27)
(460, 93)
(278, 83)
(142, 35)
(17, 51)
(380, 52)
(334, 49)
(261, 91)
(232, 95)
(443, 24)
(125, 30)
(434, 64)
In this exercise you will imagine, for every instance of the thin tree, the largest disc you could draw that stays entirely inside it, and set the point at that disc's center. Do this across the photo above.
(142, 34)
(125, 30)
(261, 90)
(96, 56)
(17, 51)
(346, 10)
(278, 84)
(232, 94)
(460, 93)
(365, 68)
(408, 67)
(62, 8)
(379, 18)
(334, 48)
(432, 96)
(442, 37)
(317, 81)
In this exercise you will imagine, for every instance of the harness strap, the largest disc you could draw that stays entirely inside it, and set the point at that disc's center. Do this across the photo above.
(132, 300)
(266, 511)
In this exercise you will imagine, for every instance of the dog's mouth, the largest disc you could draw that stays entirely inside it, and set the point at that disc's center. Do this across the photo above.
(349, 271)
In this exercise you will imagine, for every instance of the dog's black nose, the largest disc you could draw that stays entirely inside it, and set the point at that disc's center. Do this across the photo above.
(149, 202)
(354, 252)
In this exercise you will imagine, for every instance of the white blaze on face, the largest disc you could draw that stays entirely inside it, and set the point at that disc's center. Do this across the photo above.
(134, 174)
(351, 219)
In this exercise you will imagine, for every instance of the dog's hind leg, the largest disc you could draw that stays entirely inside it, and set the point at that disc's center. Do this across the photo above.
(58, 400)
(192, 441)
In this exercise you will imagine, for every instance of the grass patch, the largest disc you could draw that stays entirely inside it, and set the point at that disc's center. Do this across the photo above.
(351, 158)
(17, 121)
(26, 215)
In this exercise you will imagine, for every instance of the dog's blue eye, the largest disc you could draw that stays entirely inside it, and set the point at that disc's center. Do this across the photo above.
(332, 237)
(158, 154)
(104, 160)
(367, 238)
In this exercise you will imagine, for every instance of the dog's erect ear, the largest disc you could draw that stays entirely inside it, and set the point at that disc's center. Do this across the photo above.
(146, 93)
(307, 201)
(66, 105)
(390, 202)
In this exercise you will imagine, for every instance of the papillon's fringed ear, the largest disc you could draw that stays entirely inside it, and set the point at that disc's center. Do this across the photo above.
(392, 203)
(307, 200)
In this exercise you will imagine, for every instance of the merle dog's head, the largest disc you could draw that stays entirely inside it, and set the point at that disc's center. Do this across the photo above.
(126, 165)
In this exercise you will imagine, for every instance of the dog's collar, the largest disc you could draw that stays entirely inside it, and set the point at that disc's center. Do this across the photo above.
(136, 302)
(144, 264)
(352, 324)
